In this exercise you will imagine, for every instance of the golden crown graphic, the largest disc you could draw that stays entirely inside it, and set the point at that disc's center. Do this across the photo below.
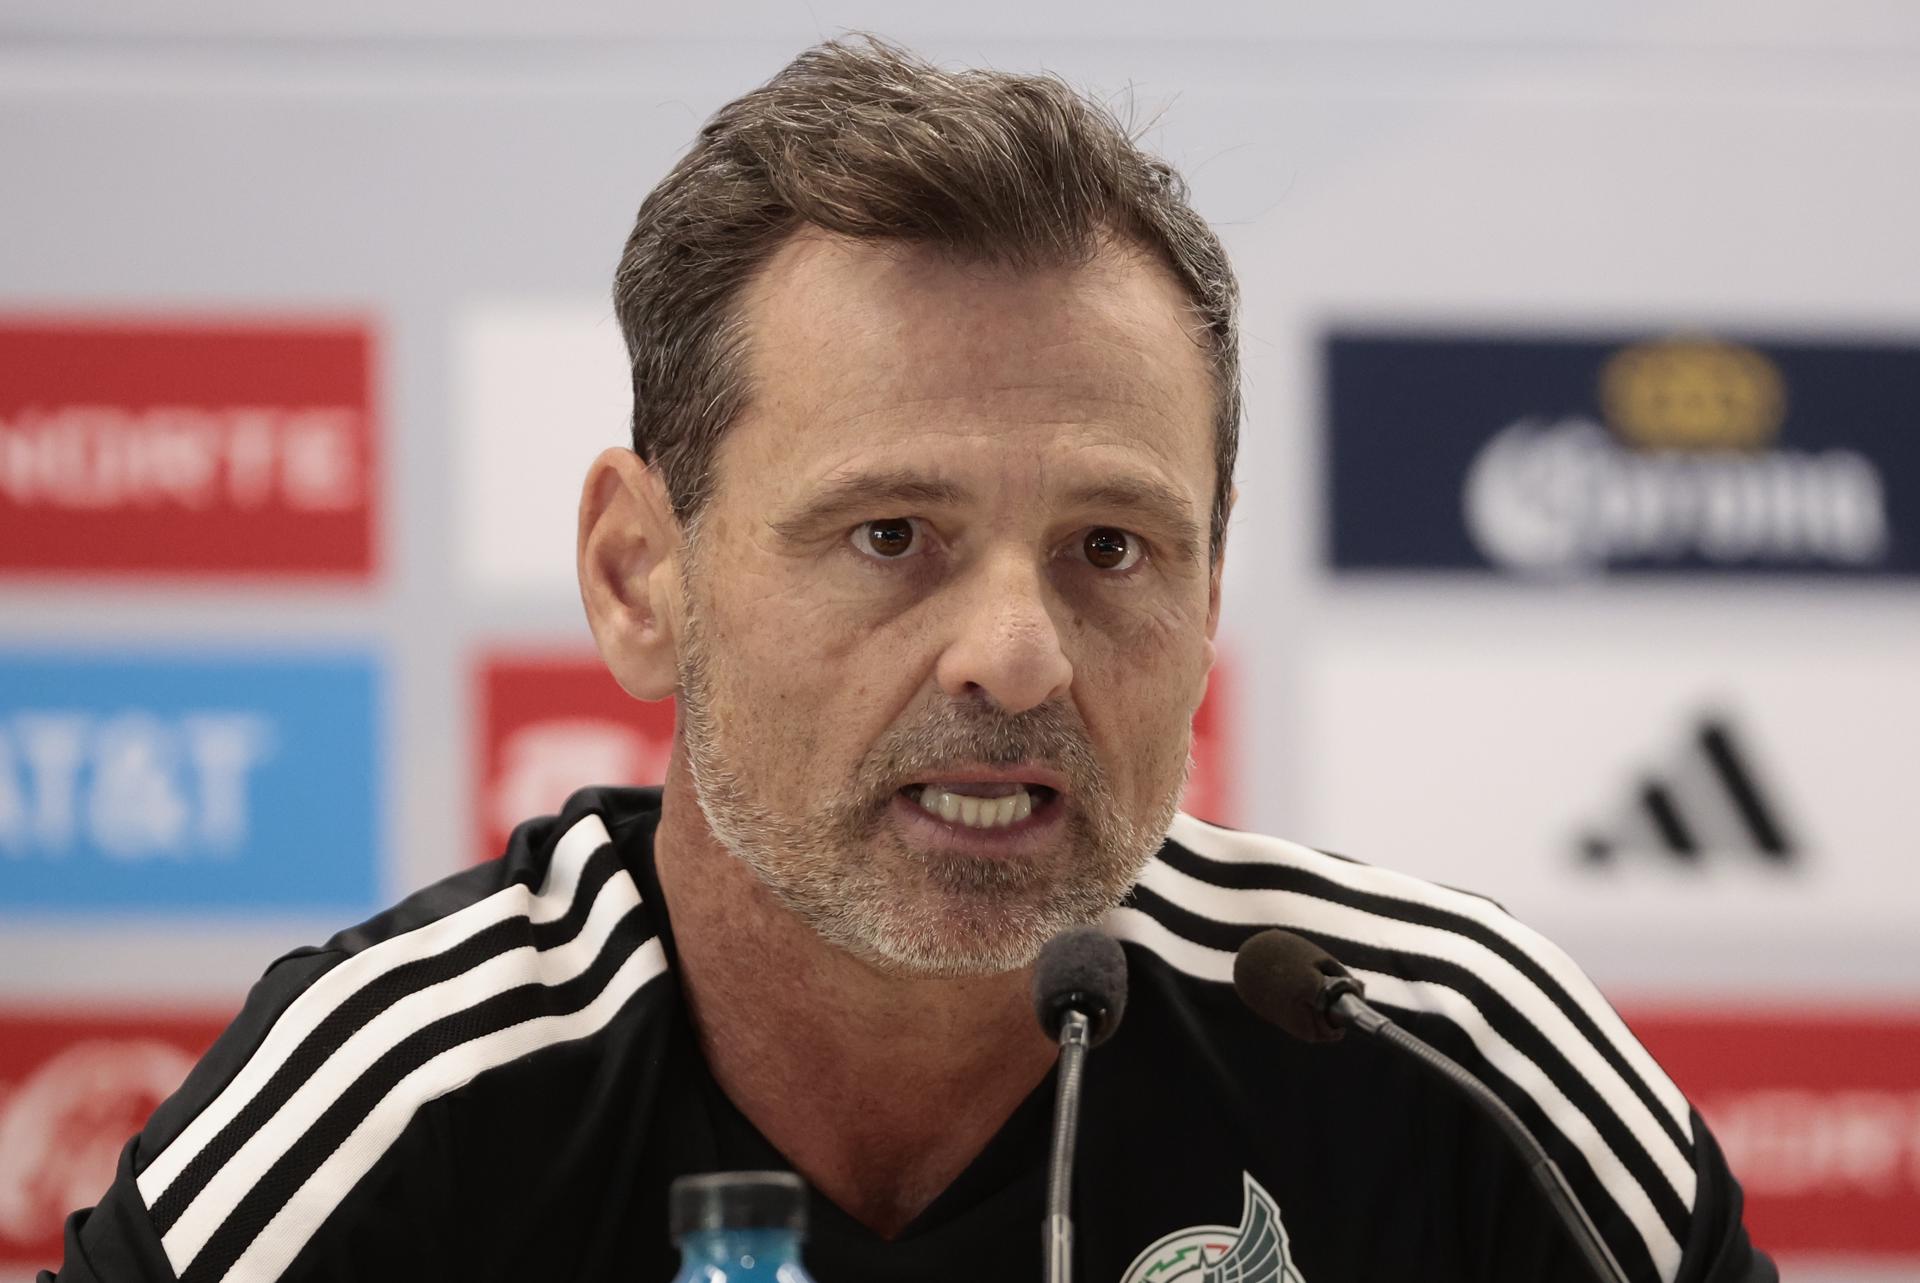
(1692, 393)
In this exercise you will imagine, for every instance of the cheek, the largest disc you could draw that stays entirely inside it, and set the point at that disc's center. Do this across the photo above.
(777, 634)
(811, 683)
(1159, 633)
(1138, 689)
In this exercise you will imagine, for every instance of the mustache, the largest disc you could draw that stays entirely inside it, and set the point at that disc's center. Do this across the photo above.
(956, 733)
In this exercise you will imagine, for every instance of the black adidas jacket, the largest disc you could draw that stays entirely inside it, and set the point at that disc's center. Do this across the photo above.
(496, 1080)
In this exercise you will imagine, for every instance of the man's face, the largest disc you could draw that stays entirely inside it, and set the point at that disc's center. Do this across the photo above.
(948, 612)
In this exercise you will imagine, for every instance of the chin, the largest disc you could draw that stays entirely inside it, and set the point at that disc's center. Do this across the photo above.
(950, 960)
(949, 936)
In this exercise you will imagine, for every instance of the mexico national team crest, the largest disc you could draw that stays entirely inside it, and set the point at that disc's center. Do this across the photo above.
(1254, 1253)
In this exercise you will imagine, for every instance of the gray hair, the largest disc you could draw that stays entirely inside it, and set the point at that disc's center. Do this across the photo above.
(866, 140)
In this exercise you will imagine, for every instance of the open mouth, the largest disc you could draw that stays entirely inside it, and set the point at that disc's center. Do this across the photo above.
(980, 805)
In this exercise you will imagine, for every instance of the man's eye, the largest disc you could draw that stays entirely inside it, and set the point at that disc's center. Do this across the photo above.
(889, 539)
(1110, 548)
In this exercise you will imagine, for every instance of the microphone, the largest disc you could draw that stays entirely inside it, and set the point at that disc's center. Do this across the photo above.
(1079, 995)
(1295, 984)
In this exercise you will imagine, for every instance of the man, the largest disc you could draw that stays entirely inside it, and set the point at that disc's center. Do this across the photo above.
(936, 404)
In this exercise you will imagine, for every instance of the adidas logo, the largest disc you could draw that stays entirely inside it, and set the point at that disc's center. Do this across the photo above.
(1707, 800)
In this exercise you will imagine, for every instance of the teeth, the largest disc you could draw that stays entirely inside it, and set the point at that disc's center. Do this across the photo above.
(977, 812)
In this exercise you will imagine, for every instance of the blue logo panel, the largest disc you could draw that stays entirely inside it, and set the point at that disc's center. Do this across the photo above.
(188, 784)
(1569, 458)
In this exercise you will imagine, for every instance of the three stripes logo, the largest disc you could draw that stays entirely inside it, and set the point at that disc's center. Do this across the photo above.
(1708, 799)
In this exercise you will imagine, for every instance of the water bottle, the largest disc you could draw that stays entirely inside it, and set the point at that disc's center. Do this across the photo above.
(739, 1225)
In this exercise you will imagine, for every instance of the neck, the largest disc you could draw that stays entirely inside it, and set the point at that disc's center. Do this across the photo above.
(879, 1088)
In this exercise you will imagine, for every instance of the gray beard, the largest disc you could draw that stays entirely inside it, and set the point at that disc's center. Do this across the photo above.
(920, 913)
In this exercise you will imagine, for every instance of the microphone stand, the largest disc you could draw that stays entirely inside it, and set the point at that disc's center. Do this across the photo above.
(1057, 1244)
(1342, 1000)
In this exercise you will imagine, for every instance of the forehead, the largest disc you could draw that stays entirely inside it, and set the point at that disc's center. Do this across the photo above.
(855, 346)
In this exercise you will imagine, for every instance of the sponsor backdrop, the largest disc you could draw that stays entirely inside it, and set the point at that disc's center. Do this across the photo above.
(187, 785)
(1574, 558)
(1520, 454)
(73, 1087)
(177, 446)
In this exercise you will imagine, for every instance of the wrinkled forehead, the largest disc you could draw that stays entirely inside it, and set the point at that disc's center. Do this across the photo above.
(860, 339)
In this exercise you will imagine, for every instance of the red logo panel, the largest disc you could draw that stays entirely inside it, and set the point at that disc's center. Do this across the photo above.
(549, 725)
(73, 1090)
(1819, 1116)
(186, 448)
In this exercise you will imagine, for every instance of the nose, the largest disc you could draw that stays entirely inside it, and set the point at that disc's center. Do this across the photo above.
(1005, 643)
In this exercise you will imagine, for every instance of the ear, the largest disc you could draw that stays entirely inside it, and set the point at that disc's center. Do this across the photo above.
(628, 553)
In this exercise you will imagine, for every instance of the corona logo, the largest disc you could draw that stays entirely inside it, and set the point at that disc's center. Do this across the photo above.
(1685, 468)
(1692, 394)
(1648, 452)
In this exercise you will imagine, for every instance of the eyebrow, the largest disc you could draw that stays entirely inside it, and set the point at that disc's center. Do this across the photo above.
(864, 491)
(852, 492)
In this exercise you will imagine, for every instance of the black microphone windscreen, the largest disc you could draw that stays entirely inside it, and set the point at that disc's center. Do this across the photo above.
(1084, 970)
(1281, 977)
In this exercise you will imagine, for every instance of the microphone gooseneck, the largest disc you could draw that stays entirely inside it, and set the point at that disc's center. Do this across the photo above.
(1293, 983)
(1079, 995)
